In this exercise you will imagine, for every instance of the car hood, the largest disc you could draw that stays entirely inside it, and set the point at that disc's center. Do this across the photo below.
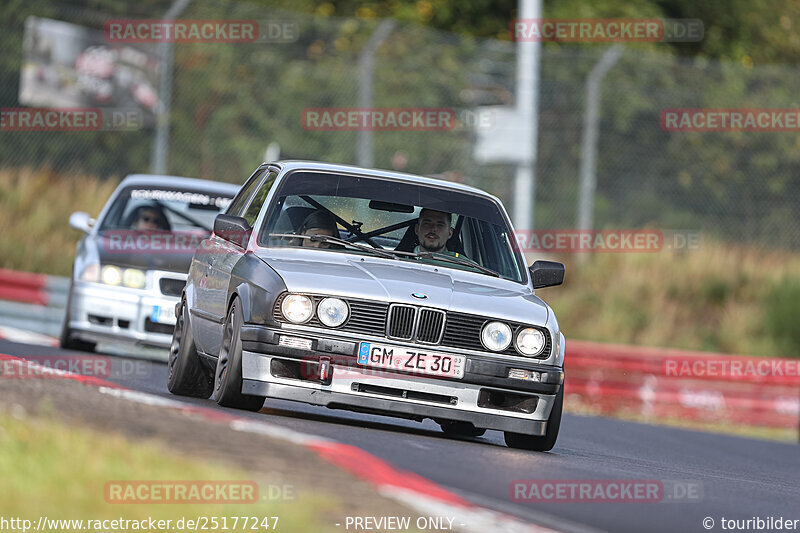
(169, 251)
(364, 277)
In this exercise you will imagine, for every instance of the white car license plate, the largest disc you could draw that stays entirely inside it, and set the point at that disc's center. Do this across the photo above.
(163, 314)
(417, 361)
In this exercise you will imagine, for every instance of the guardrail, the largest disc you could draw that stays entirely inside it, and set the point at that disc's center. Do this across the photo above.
(611, 379)
(663, 383)
(33, 302)
(38, 289)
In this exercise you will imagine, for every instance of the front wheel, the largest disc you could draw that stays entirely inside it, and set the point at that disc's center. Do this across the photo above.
(186, 373)
(68, 342)
(544, 442)
(228, 376)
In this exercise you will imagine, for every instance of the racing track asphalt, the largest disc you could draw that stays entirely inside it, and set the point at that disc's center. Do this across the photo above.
(740, 478)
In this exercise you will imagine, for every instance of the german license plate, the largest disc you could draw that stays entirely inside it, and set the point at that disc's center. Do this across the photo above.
(411, 360)
(163, 314)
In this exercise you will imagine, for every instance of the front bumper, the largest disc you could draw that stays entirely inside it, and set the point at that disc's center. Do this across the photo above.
(101, 313)
(329, 375)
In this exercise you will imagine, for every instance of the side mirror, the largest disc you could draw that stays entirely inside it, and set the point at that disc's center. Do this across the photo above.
(233, 229)
(81, 221)
(547, 274)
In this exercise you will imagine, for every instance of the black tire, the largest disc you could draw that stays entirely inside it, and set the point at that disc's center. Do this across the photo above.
(543, 443)
(228, 376)
(186, 373)
(66, 340)
(461, 429)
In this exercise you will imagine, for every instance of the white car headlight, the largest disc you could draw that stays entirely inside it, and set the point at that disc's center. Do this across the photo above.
(496, 336)
(133, 278)
(530, 341)
(332, 312)
(297, 308)
(111, 275)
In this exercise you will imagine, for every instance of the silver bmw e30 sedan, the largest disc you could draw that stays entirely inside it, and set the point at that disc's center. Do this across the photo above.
(372, 291)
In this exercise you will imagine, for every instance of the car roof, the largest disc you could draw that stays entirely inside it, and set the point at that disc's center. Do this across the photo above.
(155, 180)
(401, 176)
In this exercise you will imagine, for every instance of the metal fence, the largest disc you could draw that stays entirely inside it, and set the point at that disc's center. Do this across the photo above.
(230, 101)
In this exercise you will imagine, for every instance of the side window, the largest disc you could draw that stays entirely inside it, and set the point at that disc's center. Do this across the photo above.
(258, 200)
(244, 193)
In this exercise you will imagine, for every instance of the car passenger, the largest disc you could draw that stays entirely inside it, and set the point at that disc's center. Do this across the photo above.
(318, 222)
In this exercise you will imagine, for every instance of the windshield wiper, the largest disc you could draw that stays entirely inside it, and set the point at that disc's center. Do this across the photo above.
(437, 256)
(326, 238)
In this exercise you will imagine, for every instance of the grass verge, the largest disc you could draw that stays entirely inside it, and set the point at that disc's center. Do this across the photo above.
(52, 470)
(34, 213)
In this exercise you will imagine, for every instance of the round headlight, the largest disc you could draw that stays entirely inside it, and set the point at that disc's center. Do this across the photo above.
(332, 312)
(111, 275)
(530, 341)
(297, 308)
(496, 336)
(133, 278)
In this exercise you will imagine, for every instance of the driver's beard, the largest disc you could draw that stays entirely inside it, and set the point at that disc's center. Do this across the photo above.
(441, 249)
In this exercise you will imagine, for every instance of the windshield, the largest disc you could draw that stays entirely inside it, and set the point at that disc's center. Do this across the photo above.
(414, 222)
(164, 209)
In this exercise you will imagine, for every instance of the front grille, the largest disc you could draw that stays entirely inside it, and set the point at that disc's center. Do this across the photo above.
(401, 322)
(464, 331)
(431, 326)
(434, 326)
(403, 393)
(171, 287)
(365, 317)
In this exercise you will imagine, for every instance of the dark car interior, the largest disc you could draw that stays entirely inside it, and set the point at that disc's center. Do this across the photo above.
(292, 218)
(479, 235)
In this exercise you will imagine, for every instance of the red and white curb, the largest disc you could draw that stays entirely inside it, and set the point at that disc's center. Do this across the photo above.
(26, 337)
(407, 488)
